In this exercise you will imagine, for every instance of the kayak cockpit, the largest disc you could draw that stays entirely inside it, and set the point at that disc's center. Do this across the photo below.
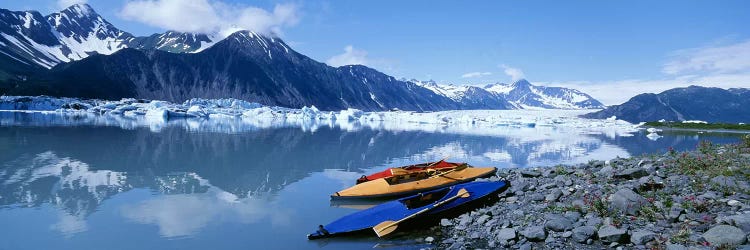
(424, 199)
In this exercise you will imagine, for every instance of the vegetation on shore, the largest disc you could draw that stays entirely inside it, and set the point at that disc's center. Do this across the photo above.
(698, 125)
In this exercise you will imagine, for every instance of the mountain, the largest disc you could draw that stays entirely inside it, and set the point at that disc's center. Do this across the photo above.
(681, 104)
(518, 95)
(71, 34)
(245, 65)
(77, 53)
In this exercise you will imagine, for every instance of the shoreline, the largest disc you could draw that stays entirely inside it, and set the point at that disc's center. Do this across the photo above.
(678, 200)
(733, 131)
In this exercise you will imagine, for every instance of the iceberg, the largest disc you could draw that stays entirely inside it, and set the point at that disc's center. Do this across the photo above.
(155, 114)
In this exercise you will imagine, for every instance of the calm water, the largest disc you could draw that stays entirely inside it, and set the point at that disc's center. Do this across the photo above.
(105, 183)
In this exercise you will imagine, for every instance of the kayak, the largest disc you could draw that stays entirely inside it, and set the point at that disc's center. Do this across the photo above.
(410, 169)
(402, 185)
(435, 202)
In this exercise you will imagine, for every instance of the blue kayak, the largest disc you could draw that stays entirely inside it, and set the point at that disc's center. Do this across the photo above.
(437, 201)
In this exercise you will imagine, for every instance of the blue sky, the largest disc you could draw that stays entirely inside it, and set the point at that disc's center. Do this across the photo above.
(610, 49)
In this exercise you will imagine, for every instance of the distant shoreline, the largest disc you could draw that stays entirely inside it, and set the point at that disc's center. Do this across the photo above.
(706, 127)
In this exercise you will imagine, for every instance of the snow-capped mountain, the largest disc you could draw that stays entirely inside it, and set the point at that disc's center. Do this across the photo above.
(469, 97)
(175, 42)
(94, 59)
(518, 95)
(71, 34)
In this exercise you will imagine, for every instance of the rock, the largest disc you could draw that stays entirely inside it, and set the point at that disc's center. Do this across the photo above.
(572, 215)
(446, 222)
(482, 219)
(605, 171)
(511, 199)
(610, 233)
(723, 181)
(582, 234)
(724, 235)
(631, 173)
(558, 223)
(429, 239)
(534, 233)
(741, 220)
(641, 237)
(674, 213)
(530, 173)
(474, 235)
(734, 203)
(537, 197)
(676, 247)
(627, 201)
(464, 220)
(526, 246)
(567, 234)
(506, 234)
(553, 196)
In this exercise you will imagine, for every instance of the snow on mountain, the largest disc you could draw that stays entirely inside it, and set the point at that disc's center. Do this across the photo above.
(78, 32)
(176, 42)
(519, 95)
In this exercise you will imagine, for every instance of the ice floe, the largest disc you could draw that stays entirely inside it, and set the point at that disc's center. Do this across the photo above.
(237, 114)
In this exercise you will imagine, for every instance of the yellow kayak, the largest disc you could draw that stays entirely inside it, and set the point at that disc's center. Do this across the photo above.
(401, 185)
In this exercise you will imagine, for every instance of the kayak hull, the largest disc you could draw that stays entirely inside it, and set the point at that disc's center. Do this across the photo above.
(401, 208)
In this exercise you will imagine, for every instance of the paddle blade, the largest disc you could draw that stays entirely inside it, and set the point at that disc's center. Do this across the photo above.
(384, 228)
(461, 167)
(399, 171)
(463, 193)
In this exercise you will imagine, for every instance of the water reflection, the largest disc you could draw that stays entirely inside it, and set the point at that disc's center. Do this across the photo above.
(202, 181)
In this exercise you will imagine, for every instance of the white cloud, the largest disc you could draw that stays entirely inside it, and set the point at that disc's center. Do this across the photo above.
(62, 4)
(475, 74)
(731, 58)
(209, 16)
(514, 73)
(726, 66)
(351, 56)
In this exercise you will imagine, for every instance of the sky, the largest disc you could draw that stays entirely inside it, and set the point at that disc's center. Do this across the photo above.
(612, 50)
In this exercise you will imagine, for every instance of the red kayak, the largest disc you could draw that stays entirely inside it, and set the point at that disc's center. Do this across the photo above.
(416, 168)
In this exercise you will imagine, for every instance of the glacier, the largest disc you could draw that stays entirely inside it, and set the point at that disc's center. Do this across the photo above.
(236, 115)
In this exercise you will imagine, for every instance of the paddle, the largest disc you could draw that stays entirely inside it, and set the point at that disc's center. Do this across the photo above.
(387, 227)
(459, 168)
(401, 171)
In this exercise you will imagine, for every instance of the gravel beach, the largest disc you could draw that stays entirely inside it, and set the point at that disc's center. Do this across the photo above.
(678, 200)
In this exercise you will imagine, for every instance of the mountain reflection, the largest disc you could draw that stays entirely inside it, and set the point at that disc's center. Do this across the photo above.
(203, 170)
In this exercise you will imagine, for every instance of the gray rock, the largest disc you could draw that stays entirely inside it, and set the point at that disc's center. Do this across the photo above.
(558, 223)
(641, 237)
(553, 196)
(741, 220)
(506, 234)
(530, 173)
(483, 218)
(627, 201)
(534, 233)
(474, 235)
(464, 220)
(537, 197)
(429, 239)
(724, 235)
(674, 213)
(610, 233)
(567, 234)
(631, 173)
(446, 222)
(581, 234)
(724, 181)
(572, 215)
(605, 171)
(676, 247)
(526, 246)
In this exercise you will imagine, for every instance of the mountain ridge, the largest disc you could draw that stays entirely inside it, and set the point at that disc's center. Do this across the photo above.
(681, 104)
(83, 55)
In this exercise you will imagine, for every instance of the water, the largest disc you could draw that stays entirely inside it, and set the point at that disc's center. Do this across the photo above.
(72, 182)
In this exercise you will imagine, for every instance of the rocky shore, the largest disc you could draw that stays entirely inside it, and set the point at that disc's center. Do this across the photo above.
(679, 200)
